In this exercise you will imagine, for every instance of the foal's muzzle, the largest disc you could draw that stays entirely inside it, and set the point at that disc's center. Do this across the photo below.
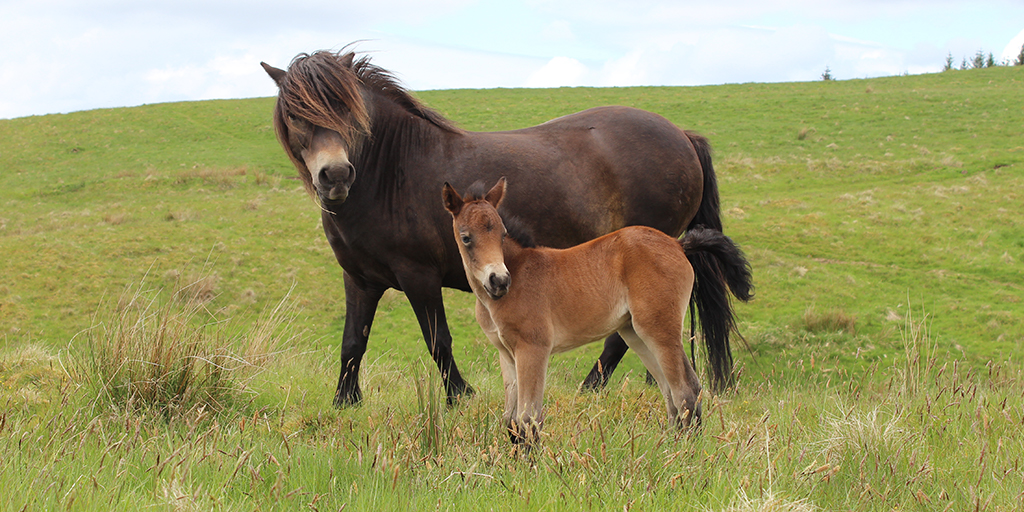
(497, 285)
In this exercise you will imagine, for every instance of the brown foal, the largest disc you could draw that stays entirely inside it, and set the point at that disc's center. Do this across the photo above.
(535, 301)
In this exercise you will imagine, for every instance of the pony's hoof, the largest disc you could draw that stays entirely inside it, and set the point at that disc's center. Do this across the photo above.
(346, 399)
(457, 396)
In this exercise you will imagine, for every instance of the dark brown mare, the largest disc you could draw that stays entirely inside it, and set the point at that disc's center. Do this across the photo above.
(375, 158)
(535, 301)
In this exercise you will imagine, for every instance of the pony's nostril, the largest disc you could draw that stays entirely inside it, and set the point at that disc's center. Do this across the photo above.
(324, 178)
(335, 174)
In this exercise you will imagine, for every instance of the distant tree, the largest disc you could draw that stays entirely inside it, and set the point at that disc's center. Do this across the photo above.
(991, 61)
(963, 64)
(1020, 57)
(827, 75)
(949, 62)
(979, 60)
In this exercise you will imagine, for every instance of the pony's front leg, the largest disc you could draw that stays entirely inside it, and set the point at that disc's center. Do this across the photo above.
(531, 365)
(360, 305)
(424, 293)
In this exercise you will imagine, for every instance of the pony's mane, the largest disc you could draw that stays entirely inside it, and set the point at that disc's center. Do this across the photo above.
(324, 88)
(516, 228)
(382, 81)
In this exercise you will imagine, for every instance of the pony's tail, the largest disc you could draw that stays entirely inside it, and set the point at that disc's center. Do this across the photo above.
(719, 267)
(708, 214)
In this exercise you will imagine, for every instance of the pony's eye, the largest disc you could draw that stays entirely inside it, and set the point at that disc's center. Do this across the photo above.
(466, 239)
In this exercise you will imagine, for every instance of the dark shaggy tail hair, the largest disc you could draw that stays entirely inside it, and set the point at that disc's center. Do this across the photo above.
(719, 267)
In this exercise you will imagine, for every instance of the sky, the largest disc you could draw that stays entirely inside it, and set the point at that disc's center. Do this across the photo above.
(60, 56)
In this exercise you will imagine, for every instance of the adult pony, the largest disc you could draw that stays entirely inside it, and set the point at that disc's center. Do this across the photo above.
(375, 157)
(535, 301)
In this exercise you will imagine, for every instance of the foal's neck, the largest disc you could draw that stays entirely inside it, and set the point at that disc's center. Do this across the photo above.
(514, 253)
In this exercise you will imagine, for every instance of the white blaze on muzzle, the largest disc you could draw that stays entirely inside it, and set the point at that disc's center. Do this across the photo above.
(496, 279)
(329, 166)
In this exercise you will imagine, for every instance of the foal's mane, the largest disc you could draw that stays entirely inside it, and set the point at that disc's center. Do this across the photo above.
(324, 88)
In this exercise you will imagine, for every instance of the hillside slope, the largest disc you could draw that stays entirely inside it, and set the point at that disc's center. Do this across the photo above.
(855, 200)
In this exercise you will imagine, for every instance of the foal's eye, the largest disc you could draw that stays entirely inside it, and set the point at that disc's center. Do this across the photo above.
(466, 239)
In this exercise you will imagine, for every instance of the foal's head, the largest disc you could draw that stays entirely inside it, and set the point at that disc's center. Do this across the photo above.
(480, 233)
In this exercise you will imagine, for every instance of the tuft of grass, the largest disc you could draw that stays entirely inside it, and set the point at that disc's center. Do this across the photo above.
(919, 352)
(172, 356)
(431, 405)
(832, 320)
(768, 502)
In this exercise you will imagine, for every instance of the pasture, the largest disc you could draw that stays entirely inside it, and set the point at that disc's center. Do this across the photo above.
(882, 219)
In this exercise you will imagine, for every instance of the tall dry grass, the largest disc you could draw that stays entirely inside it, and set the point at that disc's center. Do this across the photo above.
(172, 354)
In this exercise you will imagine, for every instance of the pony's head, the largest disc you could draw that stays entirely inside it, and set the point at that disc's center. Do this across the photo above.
(480, 233)
(327, 104)
(320, 117)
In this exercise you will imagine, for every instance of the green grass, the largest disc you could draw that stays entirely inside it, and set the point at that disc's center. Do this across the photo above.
(881, 217)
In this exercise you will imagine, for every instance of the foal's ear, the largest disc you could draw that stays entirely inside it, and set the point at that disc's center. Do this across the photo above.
(451, 199)
(497, 193)
(275, 73)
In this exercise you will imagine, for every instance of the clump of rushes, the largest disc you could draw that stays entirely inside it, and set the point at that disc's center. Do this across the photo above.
(832, 320)
(171, 356)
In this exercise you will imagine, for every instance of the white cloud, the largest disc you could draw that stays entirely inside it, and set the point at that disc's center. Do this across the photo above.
(1013, 48)
(558, 31)
(63, 55)
(559, 72)
(629, 70)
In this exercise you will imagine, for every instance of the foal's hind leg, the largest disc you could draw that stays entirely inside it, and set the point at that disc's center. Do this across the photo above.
(666, 360)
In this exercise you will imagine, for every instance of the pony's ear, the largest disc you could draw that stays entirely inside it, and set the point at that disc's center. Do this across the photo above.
(497, 193)
(451, 199)
(347, 59)
(275, 73)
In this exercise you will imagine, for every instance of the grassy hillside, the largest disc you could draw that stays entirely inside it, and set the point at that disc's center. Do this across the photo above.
(882, 218)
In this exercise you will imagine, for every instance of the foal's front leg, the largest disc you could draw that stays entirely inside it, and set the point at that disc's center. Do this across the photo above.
(531, 361)
(507, 362)
(510, 380)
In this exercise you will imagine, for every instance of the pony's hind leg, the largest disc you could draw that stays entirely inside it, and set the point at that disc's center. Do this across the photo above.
(666, 360)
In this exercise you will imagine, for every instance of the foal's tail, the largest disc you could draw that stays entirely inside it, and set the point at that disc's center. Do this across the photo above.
(719, 267)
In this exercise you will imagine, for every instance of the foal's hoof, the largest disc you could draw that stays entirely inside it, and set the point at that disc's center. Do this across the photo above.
(689, 421)
(524, 436)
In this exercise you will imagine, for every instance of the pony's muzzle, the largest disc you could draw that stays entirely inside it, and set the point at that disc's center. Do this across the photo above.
(334, 181)
(497, 284)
